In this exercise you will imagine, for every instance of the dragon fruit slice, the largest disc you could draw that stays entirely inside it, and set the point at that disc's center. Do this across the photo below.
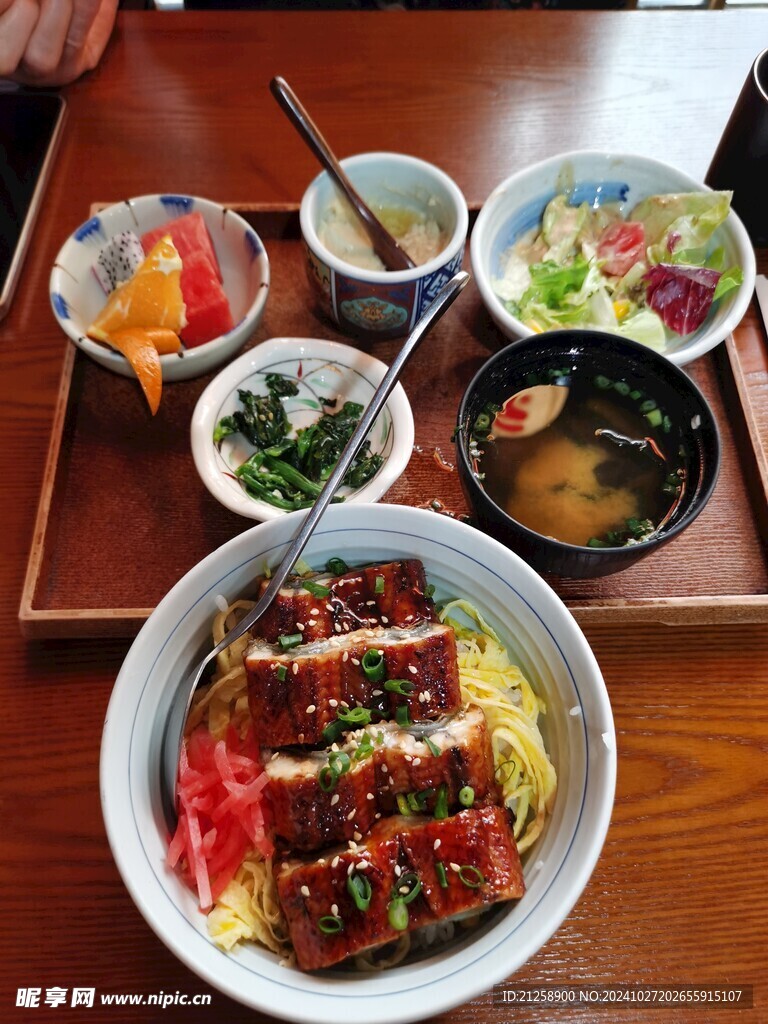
(118, 260)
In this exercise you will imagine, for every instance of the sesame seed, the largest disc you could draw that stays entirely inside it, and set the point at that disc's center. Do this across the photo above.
(369, 603)
(408, 618)
(329, 607)
(362, 865)
(350, 869)
(403, 889)
(427, 695)
(334, 747)
(369, 796)
(369, 632)
(321, 862)
(377, 815)
(422, 698)
(345, 656)
(344, 704)
(335, 909)
(351, 814)
(384, 619)
(311, 708)
(413, 670)
(355, 661)
(314, 611)
(357, 836)
(436, 844)
(408, 757)
(337, 626)
(346, 627)
(300, 626)
(276, 754)
(398, 870)
(381, 653)
(376, 693)
(305, 890)
(295, 668)
(334, 799)
(312, 622)
(301, 737)
(335, 861)
(352, 845)
(333, 703)
(454, 867)
(416, 761)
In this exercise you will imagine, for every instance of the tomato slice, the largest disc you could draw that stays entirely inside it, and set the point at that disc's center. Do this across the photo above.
(620, 246)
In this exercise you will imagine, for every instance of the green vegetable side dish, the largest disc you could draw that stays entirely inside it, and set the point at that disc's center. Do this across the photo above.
(651, 278)
(289, 472)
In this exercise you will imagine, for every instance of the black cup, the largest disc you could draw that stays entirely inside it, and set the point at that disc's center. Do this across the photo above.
(589, 354)
(740, 162)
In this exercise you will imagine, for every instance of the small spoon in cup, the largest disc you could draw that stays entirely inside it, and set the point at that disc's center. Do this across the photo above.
(384, 245)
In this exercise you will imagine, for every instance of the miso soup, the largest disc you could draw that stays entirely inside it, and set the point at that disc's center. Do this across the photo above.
(599, 475)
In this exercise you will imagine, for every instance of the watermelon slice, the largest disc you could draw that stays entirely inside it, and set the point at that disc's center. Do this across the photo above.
(190, 235)
(208, 312)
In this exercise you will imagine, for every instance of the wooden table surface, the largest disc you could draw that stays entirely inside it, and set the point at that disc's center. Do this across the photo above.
(180, 102)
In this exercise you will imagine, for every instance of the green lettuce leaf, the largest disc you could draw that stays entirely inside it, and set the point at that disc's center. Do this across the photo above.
(729, 280)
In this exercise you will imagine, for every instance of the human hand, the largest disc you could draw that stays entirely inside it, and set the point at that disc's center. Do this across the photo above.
(53, 42)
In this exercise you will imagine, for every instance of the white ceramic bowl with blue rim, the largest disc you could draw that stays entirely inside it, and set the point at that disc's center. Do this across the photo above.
(379, 304)
(578, 731)
(76, 296)
(517, 205)
(322, 370)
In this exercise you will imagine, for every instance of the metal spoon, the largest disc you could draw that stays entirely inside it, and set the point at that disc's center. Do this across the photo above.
(182, 699)
(386, 248)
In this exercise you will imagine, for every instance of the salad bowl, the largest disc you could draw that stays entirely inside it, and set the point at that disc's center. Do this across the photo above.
(517, 206)
(77, 297)
(578, 731)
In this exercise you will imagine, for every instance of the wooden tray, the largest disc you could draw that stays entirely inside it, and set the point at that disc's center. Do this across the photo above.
(123, 514)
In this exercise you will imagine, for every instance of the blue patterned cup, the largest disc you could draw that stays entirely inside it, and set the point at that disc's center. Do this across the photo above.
(379, 304)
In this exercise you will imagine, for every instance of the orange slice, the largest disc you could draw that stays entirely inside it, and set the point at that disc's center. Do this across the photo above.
(151, 298)
(164, 340)
(138, 347)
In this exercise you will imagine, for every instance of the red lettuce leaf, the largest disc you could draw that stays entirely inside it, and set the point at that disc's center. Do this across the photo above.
(681, 295)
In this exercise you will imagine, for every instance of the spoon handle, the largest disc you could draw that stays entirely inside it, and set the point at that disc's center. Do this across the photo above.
(179, 710)
(384, 245)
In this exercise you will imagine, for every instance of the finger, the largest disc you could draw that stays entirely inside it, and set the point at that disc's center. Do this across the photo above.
(98, 37)
(46, 44)
(17, 24)
(84, 14)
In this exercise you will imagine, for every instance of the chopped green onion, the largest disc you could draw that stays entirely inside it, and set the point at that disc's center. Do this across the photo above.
(654, 417)
(354, 716)
(397, 912)
(359, 889)
(330, 925)
(379, 739)
(433, 747)
(402, 804)
(479, 878)
(373, 665)
(327, 778)
(441, 875)
(413, 803)
(302, 568)
(602, 382)
(595, 542)
(648, 405)
(282, 672)
(333, 731)
(635, 395)
(441, 807)
(401, 686)
(621, 387)
(365, 748)
(666, 424)
(287, 641)
(336, 566)
(339, 762)
(430, 590)
(316, 589)
(466, 796)
(378, 587)
(499, 775)
(482, 423)
(402, 717)
(410, 881)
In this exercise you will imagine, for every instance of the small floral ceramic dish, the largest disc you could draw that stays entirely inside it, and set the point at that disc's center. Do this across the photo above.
(77, 297)
(377, 303)
(324, 375)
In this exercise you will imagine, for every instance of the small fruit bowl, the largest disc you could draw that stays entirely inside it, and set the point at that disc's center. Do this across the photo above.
(77, 297)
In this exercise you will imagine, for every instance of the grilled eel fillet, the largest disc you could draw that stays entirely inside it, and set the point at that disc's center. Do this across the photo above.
(296, 708)
(391, 761)
(353, 602)
(312, 889)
